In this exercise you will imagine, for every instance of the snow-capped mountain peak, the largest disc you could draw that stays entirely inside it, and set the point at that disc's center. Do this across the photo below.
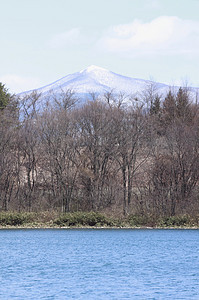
(93, 69)
(98, 80)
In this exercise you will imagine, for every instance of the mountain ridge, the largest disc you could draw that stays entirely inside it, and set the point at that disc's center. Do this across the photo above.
(98, 80)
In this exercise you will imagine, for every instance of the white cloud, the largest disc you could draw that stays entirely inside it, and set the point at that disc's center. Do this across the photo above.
(17, 84)
(67, 38)
(163, 35)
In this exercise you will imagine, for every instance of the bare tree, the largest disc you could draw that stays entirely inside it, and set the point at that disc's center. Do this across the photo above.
(132, 150)
(8, 128)
(29, 105)
(175, 172)
(60, 155)
(64, 100)
(97, 144)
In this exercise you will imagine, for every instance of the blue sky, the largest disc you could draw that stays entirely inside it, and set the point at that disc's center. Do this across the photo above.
(44, 40)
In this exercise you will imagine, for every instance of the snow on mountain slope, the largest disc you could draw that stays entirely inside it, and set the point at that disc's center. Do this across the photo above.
(98, 80)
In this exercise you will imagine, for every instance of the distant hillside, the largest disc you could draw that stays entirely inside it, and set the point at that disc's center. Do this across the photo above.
(98, 80)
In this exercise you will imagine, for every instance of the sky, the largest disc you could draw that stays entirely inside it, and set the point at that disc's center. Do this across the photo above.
(45, 40)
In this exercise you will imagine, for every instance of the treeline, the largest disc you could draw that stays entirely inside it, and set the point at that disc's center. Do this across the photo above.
(141, 158)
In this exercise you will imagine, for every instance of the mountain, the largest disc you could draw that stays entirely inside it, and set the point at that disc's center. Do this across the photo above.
(98, 80)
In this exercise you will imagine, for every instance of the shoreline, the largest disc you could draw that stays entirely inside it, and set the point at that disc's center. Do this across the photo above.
(47, 227)
(93, 220)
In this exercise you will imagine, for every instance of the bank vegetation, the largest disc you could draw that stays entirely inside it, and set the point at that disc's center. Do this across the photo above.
(137, 158)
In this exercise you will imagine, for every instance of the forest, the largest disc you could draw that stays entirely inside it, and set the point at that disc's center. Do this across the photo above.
(105, 155)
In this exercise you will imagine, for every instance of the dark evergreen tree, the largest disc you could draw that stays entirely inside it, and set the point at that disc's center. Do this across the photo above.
(5, 97)
(169, 109)
(169, 105)
(155, 106)
(183, 107)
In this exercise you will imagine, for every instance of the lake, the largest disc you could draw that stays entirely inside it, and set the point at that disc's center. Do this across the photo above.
(99, 264)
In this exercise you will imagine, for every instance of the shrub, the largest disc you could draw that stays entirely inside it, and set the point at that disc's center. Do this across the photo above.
(136, 220)
(84, 219)
(13, 219)
(175, 221)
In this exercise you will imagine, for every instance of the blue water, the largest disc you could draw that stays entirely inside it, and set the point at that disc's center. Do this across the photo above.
(99, 264)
